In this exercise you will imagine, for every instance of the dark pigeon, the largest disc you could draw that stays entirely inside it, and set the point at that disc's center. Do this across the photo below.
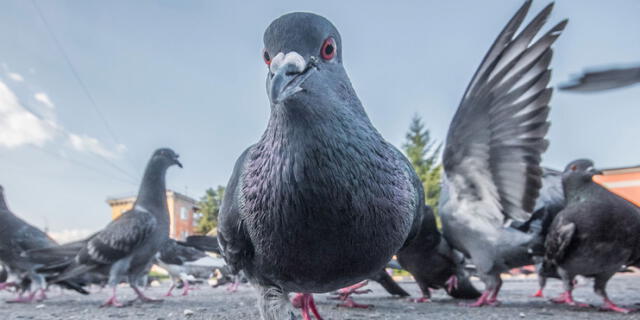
(595, 235)
(604, 78)
(182, 261)
(321, 201)
(204, 243)
(16, 238)
(548, 204)
(434, 264)
(126, 247)
(390, 285)
(492, 155)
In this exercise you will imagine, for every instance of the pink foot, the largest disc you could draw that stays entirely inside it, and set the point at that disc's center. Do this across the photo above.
(112, 302)
(610, 306)
(452, 283)
(419, 300)
(305, 302)
(567, 298)
(233, 287)
(5, 285)
(482, 301)
(185, 292)
(538, 294)
(349, 303)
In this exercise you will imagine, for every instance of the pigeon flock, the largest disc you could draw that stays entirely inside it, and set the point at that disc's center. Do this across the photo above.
(323, 203)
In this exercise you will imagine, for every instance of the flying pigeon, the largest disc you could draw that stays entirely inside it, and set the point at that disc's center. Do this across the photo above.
(321, 201)
(492, 154)
(16, 238)
(604, 78)
(183, 261)
(126, 247)
(594, 235)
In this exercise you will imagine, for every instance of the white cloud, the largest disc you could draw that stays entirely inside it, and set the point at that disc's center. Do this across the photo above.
(69, 235)
(44, 99)
(84, 143)
(15, 77)
(18, 126)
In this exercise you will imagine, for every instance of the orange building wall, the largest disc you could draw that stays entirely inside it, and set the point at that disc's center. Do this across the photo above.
(180, 226)
(625, 184)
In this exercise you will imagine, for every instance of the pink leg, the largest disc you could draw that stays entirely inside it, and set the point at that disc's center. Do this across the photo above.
(610, 306)
(185, 292)
(305, 302)
(169, 293)
(233, 287)
(113, 301)
(567, 298)
(344, 294)
(42, 295)
(144, 298)
(493, 298)
(452, 283)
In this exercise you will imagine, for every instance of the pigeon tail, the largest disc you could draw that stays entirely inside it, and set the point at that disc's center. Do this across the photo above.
(385, 280)
(204, 243)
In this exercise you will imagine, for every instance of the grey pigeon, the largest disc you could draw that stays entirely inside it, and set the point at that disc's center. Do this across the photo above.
(16, 238)
(321, 201)
(126, 247)
(182, 261)
(594, 235)
(492, 154)
(434, 264)
(604, 78)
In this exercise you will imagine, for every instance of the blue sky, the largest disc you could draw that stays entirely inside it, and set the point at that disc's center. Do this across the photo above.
(189, 75)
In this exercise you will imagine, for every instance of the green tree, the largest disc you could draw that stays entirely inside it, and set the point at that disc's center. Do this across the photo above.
(424, 154)
(209, 208)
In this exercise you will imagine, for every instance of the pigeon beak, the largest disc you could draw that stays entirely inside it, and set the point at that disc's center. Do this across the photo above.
(287, 73)
(177, 162)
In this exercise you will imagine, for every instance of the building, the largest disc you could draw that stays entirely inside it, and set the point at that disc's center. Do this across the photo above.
(624, 182)
(183, 212)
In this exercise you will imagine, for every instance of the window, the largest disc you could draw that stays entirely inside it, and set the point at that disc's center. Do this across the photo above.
(185, 234)
(183, 213)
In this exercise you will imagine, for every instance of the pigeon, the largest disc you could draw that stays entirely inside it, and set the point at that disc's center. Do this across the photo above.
(493, 151)
(595, 235)
(548, 204)
(604, 78)
(16, 238)
(182, 261)
(391, 286)
(321, 201)
(204, 243)
(434, 264)
(126, 247)
(4, 274)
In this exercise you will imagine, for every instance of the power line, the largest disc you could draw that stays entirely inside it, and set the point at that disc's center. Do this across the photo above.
(75, 73)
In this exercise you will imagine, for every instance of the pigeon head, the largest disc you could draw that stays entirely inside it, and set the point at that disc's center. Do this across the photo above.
(579, 171)
(166, 157)
(303, 52)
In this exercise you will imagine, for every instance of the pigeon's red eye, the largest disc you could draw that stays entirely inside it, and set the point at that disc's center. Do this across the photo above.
(574, 167)
(266, 57)
(328, 50)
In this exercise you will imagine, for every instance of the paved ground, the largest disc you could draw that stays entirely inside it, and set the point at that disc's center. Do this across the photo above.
(208, 303)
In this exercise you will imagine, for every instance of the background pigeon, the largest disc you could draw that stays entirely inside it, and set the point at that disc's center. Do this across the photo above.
(126, 247)
(596, 233)
(182, 261)
(492, 155)
(322, 201)
(603, 79)
(434, 264)
(16, 238)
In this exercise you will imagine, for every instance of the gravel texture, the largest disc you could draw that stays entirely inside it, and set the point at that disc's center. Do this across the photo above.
(209, 303)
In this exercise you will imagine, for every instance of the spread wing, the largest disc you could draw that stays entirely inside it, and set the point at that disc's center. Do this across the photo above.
(603, 79)
(235, 245)
(119, 239)
(498, 133)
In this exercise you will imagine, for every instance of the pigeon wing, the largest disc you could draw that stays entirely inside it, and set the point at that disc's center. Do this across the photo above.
(235, 245)
(498, 133)
(119, 239)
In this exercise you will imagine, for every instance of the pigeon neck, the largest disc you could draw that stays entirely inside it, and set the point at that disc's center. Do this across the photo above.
(152, 192)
